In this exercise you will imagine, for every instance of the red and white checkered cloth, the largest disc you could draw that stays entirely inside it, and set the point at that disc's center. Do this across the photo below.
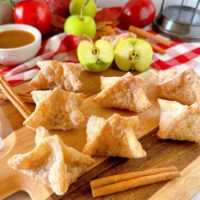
(63, 47)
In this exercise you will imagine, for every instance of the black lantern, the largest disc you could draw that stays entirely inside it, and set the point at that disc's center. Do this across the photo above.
(179, 21)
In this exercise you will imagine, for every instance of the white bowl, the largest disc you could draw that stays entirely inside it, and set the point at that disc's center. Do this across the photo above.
(15, 56)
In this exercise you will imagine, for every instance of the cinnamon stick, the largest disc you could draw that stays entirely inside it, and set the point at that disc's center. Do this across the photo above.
(140, 179)
(14, 98)
(158, 49)
(145, 34)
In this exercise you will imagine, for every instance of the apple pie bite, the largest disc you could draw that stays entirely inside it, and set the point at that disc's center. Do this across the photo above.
(124, 92)
(56, 109)
(178, 121)
(57, 74)
(183, 87)
(52, 162)
(113, 137)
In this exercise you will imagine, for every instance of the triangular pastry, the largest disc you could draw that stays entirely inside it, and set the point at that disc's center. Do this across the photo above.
(115, 39)
(183, 87)
(52, 162)
(56, 109)
(124, 92)
(57, 74)
(113, 137)
(178, 121)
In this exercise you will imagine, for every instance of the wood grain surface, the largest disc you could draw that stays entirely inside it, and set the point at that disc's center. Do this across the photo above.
(159, 152)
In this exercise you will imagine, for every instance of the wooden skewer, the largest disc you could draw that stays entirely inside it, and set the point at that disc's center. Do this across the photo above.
(14, 98)
(117, 183)
(145, 34)
(27, 98)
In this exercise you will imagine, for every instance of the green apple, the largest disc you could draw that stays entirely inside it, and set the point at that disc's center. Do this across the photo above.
(96, 57)
(133, 54)
(80, 25)
(89, 9)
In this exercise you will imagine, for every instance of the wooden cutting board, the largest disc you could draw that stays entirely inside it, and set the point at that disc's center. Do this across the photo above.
(159, 153)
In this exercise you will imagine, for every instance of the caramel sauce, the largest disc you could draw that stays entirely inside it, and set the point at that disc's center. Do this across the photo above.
(15, 38)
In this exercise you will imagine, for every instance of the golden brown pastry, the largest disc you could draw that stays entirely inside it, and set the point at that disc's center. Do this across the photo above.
(58, 74)
(115, 39)
(56, 109)
(52, 162)
(183, 87)
(178, 121)
(124, 92)
(113, 137)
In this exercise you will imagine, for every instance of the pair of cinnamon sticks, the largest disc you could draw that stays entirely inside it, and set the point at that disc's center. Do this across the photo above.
(117, 183)
(151, 37)
(14, 98)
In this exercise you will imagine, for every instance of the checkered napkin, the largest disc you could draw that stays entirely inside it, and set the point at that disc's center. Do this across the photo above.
(178, 55)
(63, 47)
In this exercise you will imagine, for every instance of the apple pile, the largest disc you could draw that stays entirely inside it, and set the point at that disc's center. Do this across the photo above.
(129, 54)
(81, 22)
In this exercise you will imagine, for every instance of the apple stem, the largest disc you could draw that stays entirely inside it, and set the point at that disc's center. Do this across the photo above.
(83, 6)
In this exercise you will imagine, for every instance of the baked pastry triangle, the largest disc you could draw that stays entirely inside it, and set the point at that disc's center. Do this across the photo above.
(178, 121)
(57, 74)
(183, 87)
(40, 95)
(124, 92)
(56, 109)
(115, 39)
(113, 137)
(52, 162)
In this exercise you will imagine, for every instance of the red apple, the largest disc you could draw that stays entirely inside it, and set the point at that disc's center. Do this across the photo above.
(34, 13)
(59, 7)
(139, 13)
(59, 12)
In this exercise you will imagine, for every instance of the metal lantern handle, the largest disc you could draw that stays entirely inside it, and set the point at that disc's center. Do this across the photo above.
(162, 6)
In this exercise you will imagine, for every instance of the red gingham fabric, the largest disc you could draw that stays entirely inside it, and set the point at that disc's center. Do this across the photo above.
(63, 47)
(179, 54)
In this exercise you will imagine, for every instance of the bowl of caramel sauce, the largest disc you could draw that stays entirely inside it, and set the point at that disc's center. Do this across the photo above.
(19, 43)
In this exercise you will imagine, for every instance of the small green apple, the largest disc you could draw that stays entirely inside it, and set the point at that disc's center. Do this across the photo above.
(80, 25)
(96, 57)
(133, 54)
(88, 10)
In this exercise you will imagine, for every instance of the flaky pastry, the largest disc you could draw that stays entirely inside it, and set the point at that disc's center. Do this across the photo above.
(52, 162)
(113, 137)
(124, 92)
(57, 74)
(183, 87)
(115, 39)
(178, 121)
(56, 109)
